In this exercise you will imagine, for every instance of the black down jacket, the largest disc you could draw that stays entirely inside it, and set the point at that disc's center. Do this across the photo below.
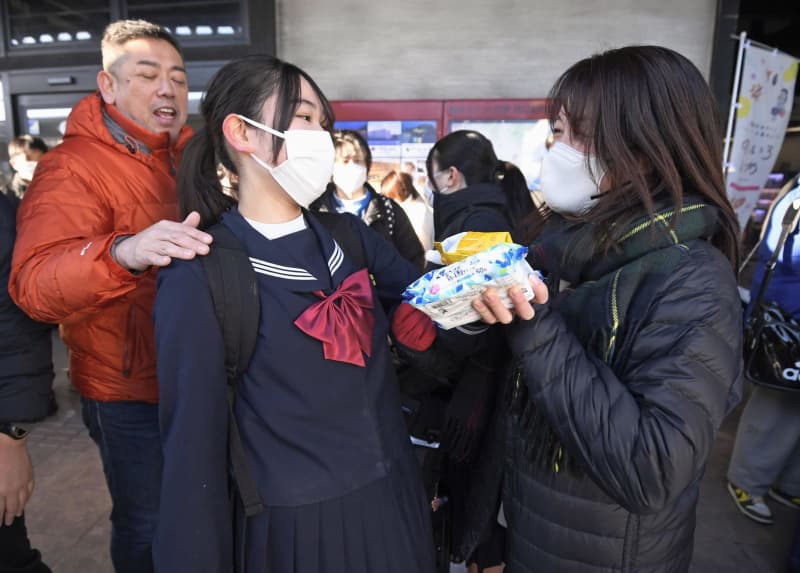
(26, 362)
(478, 207)
(621, 382)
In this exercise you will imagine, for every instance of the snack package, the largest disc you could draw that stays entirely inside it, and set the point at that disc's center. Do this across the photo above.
(446, 294)
(462, 245)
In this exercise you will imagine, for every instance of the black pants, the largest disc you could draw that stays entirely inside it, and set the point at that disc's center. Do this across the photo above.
(16, 553)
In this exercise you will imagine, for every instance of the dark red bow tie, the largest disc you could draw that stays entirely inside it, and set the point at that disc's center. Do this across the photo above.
(343, 321)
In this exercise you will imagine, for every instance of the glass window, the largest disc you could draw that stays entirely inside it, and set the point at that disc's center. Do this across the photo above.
(34, 24)
(47, 123)
(522, 142)
(45, 116)
(193, 20)
(195, 120)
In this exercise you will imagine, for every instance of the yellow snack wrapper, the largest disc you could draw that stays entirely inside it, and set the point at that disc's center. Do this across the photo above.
(462, 245)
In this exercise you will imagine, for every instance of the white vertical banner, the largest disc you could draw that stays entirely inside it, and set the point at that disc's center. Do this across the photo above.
(763, 109)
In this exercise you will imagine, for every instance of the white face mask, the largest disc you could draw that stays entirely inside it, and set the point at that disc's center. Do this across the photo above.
(350, 178)
(26, 169)
(568, 185)
(309, 162)
(443, 189)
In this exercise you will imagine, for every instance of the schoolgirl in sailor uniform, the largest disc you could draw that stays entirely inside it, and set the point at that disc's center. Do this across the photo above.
(324, 439)
(321, 430)
(318, 408)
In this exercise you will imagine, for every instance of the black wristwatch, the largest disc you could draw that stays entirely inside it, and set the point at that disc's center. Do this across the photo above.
(12, 431)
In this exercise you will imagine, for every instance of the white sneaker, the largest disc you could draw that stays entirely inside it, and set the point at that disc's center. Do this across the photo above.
(752, 506)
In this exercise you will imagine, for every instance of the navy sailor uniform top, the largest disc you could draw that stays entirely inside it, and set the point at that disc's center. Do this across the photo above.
(313, 429)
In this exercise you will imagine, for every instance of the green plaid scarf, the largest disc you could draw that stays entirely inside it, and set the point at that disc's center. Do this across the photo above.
(605, 283)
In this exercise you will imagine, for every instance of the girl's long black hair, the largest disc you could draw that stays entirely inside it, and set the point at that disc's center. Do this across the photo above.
(241, 86)
(474, 157)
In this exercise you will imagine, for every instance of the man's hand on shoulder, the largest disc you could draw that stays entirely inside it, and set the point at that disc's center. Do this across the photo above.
(16, 478)
(158, 244)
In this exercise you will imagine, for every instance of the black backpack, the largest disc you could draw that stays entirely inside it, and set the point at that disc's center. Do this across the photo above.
(234, 291)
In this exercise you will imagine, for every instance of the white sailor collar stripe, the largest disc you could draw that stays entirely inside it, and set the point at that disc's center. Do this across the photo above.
(297, 273)
(281, 271)
(336, 259)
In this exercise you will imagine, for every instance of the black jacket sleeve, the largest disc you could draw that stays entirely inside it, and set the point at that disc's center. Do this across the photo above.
(26, 357)
(644, 434)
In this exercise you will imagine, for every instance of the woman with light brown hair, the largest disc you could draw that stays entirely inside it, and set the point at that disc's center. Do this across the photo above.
(400, 188)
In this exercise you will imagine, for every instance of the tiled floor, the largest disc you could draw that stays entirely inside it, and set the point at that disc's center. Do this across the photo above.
(68, 515)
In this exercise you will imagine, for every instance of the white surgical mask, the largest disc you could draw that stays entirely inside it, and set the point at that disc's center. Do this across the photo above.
(26, 169)
(568, 185)
(444, 189)
(309, 162)
(350, 178)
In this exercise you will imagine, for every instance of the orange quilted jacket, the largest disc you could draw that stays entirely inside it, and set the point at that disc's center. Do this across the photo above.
(109, 177)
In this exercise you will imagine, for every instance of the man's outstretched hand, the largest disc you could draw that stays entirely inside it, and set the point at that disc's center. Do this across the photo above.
(158, 244)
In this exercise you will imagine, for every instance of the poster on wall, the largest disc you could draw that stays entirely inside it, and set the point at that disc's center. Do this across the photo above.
(764, 106)
(395, 145)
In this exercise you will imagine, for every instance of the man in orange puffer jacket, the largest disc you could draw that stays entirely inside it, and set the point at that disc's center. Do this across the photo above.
(97, 221)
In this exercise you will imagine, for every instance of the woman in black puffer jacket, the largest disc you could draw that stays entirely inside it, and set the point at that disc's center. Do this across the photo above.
(621, 381)
(473, 191)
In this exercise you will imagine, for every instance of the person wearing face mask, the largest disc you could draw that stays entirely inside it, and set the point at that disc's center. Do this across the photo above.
(571, 180)
(617, 386)
(472, 191)
(24, 152)
(349, 192)
(317, 407)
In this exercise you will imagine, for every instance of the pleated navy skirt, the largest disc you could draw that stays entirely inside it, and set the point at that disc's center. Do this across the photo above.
(383, 527)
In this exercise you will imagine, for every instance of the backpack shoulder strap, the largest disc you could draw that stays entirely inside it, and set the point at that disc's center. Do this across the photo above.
(343, 233)
(234, 292)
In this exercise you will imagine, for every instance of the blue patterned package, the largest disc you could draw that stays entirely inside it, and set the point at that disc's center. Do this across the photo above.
(446, 294)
